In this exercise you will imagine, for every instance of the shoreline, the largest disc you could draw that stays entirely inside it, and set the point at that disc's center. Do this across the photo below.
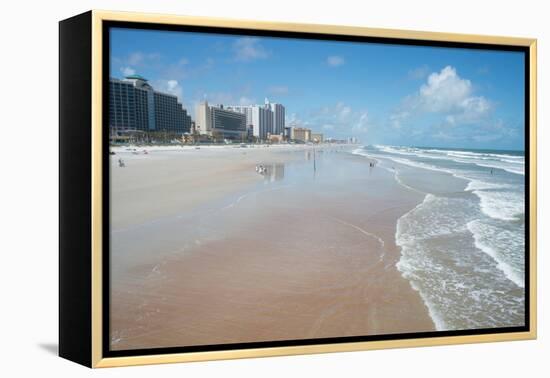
(318, 258)
(450, 234)
(438, 325)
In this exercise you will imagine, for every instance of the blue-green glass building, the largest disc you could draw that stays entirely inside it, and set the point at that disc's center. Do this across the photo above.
(135, 106)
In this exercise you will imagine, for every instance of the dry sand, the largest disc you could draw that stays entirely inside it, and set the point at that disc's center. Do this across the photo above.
(204, 250)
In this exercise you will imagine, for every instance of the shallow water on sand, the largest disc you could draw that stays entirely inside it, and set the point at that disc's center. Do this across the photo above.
(463, 247)
(307, 251)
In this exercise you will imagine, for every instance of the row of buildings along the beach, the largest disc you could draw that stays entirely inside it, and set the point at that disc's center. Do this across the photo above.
(139, 112)
(241, 122)
(303, 134)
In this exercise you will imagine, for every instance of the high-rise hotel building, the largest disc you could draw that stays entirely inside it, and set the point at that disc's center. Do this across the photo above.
(267, 119)
(301, 133)
(135, 106)
(278, 117)
(260, 118)
(220, 122)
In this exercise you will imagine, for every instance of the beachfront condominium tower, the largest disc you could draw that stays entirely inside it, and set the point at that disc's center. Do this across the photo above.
(301, 134)
(247, 110)
(203, 121)
(278, 117)
(260, 117)
(220, 122)
(135, 106)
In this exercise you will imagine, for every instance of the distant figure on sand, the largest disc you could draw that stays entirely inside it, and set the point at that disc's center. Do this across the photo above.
(261, 169)
(121, 163)
(491, 170)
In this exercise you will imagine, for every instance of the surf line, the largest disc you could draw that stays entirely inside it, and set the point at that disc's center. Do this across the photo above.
(364, 232)
(393, 170)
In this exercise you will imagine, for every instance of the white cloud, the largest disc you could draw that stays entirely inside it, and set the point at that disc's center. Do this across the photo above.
(341, 118)
(247, 49)
(169, 86)
(335, 60)
(183, 69)
(127, 71)
(361, 125)
(293, 120)
(172, 84)
(135, 58)
(342, 111)
(136, 62)
(397, 118)
(471, 110)
(444, 93)
(138, 58)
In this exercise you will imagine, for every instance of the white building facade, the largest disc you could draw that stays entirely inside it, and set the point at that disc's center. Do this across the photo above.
(203, 119)
(220, 122)
(260, 117)
(278, 117)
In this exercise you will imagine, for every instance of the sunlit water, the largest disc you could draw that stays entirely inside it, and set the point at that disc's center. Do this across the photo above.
(463, 247)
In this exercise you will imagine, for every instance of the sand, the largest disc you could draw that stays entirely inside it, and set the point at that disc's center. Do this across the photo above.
(204, 250)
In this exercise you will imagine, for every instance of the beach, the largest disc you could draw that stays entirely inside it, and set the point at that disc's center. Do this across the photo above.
(205, 250)
(225, 244)
(463, 247)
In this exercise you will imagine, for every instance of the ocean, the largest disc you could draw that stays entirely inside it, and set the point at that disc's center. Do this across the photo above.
(463, 246)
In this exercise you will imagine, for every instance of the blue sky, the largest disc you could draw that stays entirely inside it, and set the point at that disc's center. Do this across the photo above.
(382, 94)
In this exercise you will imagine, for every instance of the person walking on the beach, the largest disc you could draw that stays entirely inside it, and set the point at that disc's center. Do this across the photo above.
(121, 163)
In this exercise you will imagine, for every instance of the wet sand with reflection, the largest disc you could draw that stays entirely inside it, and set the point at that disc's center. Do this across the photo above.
(204, 250)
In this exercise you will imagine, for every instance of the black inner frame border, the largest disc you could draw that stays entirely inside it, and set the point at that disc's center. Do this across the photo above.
(106, 27)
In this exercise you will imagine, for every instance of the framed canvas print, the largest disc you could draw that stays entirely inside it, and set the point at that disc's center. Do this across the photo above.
(236, 189)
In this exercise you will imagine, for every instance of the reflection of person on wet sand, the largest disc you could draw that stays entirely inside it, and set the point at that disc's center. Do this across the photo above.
(261, 169)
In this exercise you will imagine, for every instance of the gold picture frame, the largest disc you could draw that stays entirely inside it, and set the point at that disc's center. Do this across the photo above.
(89, 329)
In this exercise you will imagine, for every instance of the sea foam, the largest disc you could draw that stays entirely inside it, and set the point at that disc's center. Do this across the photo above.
(463, 253)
